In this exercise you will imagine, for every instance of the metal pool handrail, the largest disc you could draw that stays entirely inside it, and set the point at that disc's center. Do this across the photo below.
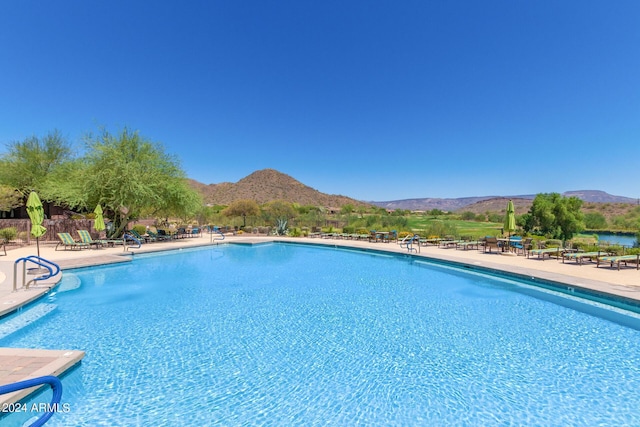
(408, 240)
(49, 265)
(52, 408)
(213, 231)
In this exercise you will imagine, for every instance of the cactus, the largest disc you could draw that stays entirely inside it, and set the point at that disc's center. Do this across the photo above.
(281, 227)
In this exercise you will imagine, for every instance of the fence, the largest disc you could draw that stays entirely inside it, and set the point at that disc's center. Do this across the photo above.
(53, 226)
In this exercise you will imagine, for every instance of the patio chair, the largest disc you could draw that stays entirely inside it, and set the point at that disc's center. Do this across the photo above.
(68, 243)
(490, 243)
(3, 243)
(523, 246)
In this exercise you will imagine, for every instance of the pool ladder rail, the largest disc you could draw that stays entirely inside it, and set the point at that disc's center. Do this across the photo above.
(127, 236)
(51, 409)
(215, 230)
(45, 270)
(408, 242)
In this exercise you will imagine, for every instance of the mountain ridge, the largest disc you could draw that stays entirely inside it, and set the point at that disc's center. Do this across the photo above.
(454, 204)
(267, 185)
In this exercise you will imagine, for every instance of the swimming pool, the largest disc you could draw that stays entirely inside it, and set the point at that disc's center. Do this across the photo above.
(281, 334)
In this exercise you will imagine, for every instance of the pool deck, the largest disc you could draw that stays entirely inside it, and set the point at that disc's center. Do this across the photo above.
(21, 364)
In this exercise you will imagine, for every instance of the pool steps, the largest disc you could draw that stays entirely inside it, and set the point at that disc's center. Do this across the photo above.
(25, 318)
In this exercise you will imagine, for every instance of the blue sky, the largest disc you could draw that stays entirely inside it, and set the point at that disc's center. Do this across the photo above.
(375, 100)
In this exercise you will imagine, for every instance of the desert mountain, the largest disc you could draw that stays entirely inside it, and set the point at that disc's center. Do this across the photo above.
(489, 203)
(267, 185)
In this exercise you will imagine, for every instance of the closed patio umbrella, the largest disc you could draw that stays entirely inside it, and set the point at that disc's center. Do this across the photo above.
(36, 214)
(510, 221)
(98, 220)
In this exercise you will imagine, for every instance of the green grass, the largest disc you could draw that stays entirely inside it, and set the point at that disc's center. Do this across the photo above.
(419, 223)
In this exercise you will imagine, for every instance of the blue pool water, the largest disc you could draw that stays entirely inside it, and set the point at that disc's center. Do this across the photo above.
(295, 335)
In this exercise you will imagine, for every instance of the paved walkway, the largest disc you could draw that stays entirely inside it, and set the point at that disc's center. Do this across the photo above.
(17, 364)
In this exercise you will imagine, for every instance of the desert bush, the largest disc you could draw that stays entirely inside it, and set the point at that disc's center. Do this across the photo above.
(140, 229)
(295, 232)
(440, 229)
(495, 217)
(553, 243)
(468, 216)
(8, 234)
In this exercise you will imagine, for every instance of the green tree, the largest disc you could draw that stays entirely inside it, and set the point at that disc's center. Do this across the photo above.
(468, 216)
(28, 164)
(347, 209)
(595, 221)
(131, 176)
(243, 208)
(9, 198)
(555, 216)
(278, 210)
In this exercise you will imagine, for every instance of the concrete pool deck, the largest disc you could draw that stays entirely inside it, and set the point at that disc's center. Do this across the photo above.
(20, 364)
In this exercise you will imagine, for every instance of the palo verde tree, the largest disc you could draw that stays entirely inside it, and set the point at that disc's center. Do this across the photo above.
(243, 208)
(555, 216)
(131, 176)
(9, 198)
(28, 165)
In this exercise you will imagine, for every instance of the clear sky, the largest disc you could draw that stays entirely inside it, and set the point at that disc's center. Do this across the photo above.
(375, 100)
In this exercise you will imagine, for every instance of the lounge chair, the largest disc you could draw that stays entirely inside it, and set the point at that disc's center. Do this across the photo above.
(619, 259)
(450, 243)
(469, 244)
(430, 241)
(163, 235)
(85, 237)
(156, 237)
(580, 256)
(542, 252)
(68, 243)
(315, 232)
(141, 239)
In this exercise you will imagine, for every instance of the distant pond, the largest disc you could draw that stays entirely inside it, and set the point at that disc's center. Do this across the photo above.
(618, 239)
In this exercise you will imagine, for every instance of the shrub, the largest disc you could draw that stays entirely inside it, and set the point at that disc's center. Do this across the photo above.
(295, 232)
(468, 216)
(8, 233)
(495, 217)
(140, 229)
(615, 249)
(403, 234)
(553, 243)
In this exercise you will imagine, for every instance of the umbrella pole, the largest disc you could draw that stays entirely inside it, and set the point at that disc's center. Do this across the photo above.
(38, 245)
